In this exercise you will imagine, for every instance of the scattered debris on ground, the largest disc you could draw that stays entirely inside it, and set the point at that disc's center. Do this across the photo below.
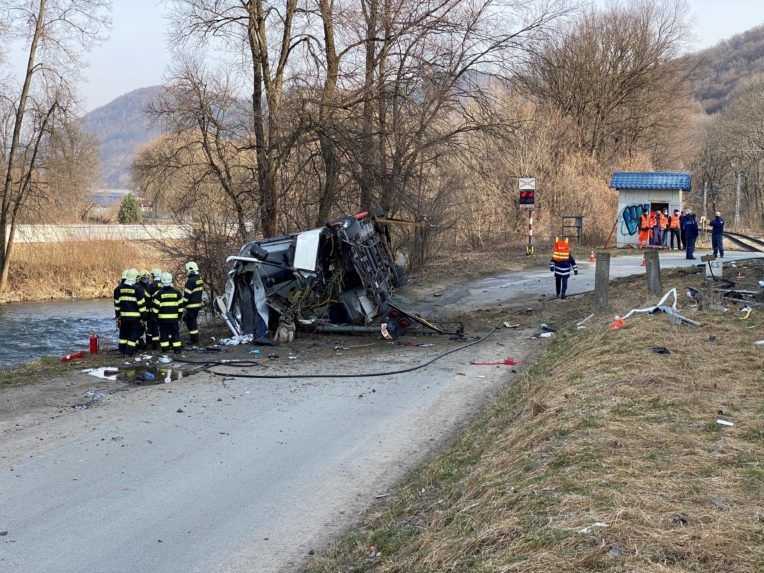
(623, 467)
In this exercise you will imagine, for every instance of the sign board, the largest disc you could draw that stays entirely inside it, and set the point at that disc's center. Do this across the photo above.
(527, 192)
(527, 183)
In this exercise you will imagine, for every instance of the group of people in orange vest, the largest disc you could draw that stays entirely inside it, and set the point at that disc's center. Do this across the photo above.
(656, 227)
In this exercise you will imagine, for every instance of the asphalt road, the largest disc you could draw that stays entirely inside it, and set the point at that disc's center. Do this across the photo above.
(511, 287)
(251, 475)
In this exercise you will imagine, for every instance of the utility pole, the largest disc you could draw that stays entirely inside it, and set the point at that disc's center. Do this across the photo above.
(737, 198)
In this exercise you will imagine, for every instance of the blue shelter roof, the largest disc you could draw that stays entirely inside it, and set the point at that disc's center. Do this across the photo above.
(651, 181)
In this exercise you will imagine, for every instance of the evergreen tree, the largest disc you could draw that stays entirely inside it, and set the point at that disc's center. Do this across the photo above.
(129, 210)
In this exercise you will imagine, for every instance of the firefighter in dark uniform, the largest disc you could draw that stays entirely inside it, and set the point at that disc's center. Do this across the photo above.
(130, 308)
(140, 287)
(151, 285)
(168, 308)
(193, 296)
(122, 347)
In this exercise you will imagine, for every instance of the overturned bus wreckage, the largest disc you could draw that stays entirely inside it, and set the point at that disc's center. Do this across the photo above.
(338, 278)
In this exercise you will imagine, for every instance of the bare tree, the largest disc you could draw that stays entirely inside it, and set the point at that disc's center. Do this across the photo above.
(265, 32)
(55, 31)
(614, 75)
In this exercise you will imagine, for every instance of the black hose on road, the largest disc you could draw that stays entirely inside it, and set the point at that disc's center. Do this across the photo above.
(246, 363)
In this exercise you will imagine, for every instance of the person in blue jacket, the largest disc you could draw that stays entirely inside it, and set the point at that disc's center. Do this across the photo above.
(717, 235)
(690, 229)
(561, 265)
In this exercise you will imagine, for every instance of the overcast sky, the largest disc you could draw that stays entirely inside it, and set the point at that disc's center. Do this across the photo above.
(136, 53)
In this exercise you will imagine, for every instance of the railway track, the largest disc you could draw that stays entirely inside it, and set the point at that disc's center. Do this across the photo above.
(746, 242)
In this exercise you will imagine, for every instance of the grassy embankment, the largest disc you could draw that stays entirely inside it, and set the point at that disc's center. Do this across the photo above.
(602, 456)
(74, 270)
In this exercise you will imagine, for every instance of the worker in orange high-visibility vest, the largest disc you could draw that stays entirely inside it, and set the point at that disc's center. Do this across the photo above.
(654, 228)
(644, 229)
(663, 224)
(561, 265)
(674, 226)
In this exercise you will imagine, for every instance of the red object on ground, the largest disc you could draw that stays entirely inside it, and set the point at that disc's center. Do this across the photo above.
(73, 356)
(93, 344)
(617, 324)
(361, 215)
(505, 362)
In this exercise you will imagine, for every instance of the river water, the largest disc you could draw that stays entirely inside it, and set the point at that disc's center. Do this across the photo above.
(32, 330)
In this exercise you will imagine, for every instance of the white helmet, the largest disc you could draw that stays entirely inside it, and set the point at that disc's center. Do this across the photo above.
(192, 267)
(131, 277)
(166, 279)
(157, 274)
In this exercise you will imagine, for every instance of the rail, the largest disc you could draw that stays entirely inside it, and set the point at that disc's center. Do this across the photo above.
(748, 243)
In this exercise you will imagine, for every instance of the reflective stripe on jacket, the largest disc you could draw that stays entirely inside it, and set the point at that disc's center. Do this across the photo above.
(129, 301)
(561, 250)
(563, 268)
(192, 294)
(168, 304)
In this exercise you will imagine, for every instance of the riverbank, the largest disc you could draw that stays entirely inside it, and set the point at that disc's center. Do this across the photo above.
(74, 270)
(605, 455)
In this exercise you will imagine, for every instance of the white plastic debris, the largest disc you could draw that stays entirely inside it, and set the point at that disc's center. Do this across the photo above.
(237, 340)
(722, 422)
(580, 323)
(671, 310)
(592, 527)
(102, 372)
(165, 359)
(546, 335)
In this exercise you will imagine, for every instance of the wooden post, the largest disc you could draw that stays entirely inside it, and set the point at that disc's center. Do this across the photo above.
(601, 282)
(653, 263)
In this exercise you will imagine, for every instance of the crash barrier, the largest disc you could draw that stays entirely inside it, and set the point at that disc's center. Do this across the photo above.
(83, 233)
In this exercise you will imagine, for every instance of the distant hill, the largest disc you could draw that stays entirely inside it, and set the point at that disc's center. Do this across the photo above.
(720, 69)
(122, 127)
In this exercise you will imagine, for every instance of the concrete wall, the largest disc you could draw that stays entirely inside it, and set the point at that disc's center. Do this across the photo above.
(627, 198)
(84, 233)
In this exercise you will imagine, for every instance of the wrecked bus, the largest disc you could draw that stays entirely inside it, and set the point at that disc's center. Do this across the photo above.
(340, 274)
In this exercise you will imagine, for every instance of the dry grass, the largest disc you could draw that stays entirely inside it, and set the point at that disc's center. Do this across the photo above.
(83, 270)
(600, 430)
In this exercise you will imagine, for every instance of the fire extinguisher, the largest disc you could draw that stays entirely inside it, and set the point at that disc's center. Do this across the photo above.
(73, 356)
(93, 344)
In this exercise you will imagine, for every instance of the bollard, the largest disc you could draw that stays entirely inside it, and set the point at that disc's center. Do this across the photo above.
(653, 263)
(601, 282)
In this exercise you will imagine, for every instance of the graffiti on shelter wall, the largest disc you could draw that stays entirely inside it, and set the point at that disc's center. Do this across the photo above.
(630, 218)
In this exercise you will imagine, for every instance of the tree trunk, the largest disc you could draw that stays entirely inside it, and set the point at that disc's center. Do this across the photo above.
(7, 243)
(326, 116)
(368, 147)
(258, 116)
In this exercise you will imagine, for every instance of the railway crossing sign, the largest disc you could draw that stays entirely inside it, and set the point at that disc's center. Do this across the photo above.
(527, 187)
